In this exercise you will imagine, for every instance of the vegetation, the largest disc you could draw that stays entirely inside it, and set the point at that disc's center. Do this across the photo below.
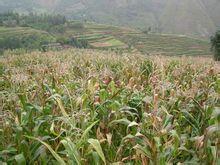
(27, 38)
(215, 40)
(95, 107)
(158, 14)
(77, 43)
(56, 29)
(41, 21)
(164, 44)
(104, 37)
(35, 31)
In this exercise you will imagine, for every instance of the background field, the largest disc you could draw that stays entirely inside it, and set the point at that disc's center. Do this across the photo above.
(101, 36)
(23, 37)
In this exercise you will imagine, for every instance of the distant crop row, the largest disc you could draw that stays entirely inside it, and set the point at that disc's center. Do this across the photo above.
(167, 44)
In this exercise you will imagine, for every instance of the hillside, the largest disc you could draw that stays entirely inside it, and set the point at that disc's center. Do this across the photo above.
(100, 36)
(105, 36)
(23, 37)
(189, 17)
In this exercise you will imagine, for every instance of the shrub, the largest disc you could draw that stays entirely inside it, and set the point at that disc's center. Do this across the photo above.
(73, 42)
(76, 25)
(215, 41)
(29, 42)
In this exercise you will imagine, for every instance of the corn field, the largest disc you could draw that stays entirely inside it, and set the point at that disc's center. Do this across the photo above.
(98, 107)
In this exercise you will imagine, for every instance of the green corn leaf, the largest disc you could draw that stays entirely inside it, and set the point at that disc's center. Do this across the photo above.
(20, 159)
(3, 163)
(55, 155)
(96, 157)
(133, 123)
(123, 121)
(40, 151)
(86, 132)
(72, 151)
(96, 145)
(191, 120)
(57, 98)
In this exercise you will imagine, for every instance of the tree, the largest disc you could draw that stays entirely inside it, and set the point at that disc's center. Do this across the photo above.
(215, 41)
(146, 31)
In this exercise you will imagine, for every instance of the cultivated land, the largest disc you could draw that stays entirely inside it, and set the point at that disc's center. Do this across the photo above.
(110, 37)
(97, 107)
(19, 31)
(104, 36)
(29, 37)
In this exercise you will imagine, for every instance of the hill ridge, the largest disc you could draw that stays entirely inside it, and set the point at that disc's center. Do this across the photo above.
(196, 17)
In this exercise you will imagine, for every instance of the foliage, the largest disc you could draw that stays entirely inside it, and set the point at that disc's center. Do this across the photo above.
(93, 107)
(77, 43)
(165, 44)
(147, 31)
(76, 25)
(98, 36)
(33, 40)
(6, 18)
(158, 14)
(53, 24)
(215, 41)
(38, 21)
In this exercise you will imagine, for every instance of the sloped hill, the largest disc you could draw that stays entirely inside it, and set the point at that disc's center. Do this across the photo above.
(164, 44)
(190, 17)
(173, 16)
(213, 8)
(18, 5)
(23, 37)
(186, 17)
(101, 36)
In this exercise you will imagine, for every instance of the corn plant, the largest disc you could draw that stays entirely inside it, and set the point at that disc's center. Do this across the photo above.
(98, 107)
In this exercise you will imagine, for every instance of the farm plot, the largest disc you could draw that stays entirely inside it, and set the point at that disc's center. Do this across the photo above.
(98, 107)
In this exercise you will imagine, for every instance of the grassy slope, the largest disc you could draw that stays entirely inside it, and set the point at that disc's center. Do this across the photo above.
(20, 31)
(33, 38)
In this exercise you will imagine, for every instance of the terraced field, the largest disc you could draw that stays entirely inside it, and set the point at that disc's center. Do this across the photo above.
(22, 31)
(99, 36)
(103, 36)
(111, 37)
(167, 44)
(23, 37)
